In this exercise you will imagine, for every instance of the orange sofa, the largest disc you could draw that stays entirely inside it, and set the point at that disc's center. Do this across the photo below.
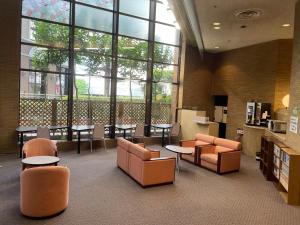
(217, 154)
(44, 190)
(140, 164)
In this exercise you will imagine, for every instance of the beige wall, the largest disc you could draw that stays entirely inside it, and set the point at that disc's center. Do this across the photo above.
(197, 80)
(9, 73)
(293, 140)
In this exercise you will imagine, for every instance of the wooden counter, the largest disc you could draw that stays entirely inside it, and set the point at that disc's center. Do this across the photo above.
(251, 139)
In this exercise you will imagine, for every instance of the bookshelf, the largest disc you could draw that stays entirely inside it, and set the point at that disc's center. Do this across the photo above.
(266, 164)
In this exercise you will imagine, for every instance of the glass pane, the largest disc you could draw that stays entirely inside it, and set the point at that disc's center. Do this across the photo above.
(164, 13)
(91, 100)
(95, 42)
(43, 33)
(132, 69)
(132, 48)
(93, 18)
(166, 73)
(108, 4)
(43, 99)
(44, 59)
(89, 63)
(166, 34)
(130, 102)
(57, 11)
(166, 54)
(164, 103)
(133, 27)
(135, 7)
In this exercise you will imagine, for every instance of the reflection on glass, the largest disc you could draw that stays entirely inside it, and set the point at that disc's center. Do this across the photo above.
(166, 54)
(132, 69)
(132, 48)
(93, 18)
(165, 73)
(95, 42)
(133, 27)
(166, 34)
(45, 33)
(164, 13)
(135, 7)
(108, 4)
(44, 58)
(57, 11)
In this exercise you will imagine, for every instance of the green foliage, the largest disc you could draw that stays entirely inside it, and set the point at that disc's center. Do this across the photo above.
(82, 87)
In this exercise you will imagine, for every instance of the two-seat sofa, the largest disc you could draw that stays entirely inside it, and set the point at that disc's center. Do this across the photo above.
(217, 154)
(143, 165)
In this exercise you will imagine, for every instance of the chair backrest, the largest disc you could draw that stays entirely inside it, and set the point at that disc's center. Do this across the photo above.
(43, 132)
(44, 190)
(39, 147)
(139, 130)
(175, 130)
(99, 131)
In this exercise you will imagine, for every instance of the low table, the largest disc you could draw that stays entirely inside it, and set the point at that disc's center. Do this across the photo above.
(40, 160)
(179, 150)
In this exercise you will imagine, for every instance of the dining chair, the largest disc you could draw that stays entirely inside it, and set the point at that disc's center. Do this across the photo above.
(43, 132)
(139, 132)
(174, 131)
(98, 134)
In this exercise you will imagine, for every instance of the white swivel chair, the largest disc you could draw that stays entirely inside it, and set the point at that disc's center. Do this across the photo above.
(174, 131)
(139, 132)
(43, 132)
(98, 134)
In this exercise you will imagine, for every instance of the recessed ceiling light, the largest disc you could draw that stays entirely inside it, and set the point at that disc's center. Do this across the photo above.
(217, 28)
(216, 24)
(286, 25)
(217, 47)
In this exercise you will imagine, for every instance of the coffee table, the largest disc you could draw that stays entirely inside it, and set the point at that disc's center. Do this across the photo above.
(179, 150)
(40, 160)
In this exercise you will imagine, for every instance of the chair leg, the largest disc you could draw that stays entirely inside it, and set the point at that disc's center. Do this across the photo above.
(91, 144)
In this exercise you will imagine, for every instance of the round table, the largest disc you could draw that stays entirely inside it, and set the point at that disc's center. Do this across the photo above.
(179, 150)
(40, 160)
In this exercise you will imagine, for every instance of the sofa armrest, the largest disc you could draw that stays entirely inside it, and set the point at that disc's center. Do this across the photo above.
(228, 161)
(187, 143)
(154, 153)
(158, 171)
(205, 149)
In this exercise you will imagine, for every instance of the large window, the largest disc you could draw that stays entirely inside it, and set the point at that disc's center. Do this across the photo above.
(102, 59)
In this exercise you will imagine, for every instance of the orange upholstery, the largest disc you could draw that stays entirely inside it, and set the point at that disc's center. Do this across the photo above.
(39, 147)
(44, 190)
(205, 138)
(139, 163)
(211, 158)
(227, 143)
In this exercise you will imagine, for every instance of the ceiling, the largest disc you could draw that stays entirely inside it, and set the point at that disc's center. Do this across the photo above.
(266, 27)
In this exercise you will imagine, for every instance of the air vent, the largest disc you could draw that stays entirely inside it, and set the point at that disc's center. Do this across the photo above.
(248, 14)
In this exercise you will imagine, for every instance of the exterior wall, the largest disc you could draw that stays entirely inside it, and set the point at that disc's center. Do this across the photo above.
(9, 73)
(252, 73)
(197, 81)
(293, 140)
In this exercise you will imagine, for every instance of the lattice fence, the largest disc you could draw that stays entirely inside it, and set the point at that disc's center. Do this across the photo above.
(54, 112)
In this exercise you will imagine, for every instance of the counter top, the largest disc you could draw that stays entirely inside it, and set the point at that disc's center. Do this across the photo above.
(255, 127)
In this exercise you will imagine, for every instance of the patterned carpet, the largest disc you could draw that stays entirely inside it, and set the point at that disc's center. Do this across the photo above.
(100, 193)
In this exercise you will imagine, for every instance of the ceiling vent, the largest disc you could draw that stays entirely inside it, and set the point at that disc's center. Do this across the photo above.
(248, 14)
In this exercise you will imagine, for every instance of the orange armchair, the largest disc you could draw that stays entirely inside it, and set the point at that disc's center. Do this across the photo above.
(39, 147)
(44, 191)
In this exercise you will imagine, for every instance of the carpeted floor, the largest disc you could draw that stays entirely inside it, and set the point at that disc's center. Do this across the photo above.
(100, 193)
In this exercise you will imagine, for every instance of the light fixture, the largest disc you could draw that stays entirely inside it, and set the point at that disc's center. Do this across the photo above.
(216, 24)
(217, 28)
(217, 47)
(286, 101)
(286, 25)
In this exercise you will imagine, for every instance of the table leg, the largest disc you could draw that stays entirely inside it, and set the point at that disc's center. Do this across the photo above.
(124, 134)
(78, 142)
(21, 145)
(177, 162)
(163, 138)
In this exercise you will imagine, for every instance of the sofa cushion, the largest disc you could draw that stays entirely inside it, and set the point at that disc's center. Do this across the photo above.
(205, 138)
(201, 143)
(228, 143)
(222, 149)
(211, 158)
(139, 151)
(123, 143)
